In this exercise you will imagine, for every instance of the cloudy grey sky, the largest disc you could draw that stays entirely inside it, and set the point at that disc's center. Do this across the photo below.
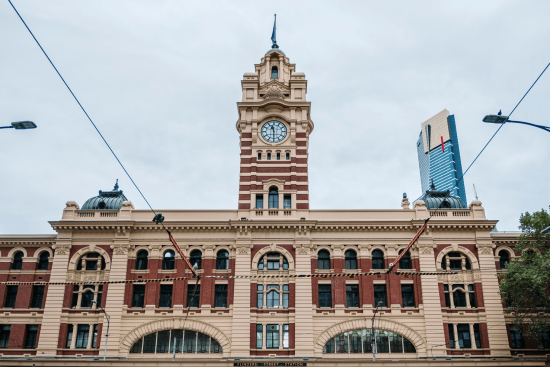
(161, 79)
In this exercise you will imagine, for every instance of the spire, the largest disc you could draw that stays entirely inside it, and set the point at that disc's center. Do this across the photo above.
(116, 185)
(274, 34)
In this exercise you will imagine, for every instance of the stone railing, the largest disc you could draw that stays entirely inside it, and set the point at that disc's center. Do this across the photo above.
(272, 213)
(97, 214)
(451, 213)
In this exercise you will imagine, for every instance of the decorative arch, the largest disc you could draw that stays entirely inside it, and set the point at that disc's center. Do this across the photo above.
(166, 248)
(506, 248)
(223, 247)
(323, 247)
(273, 248)
(186, 324)
(353, 248)
(364, 323)
(77, 255)
(279, 184)
(41, 250)
(133, 254)
(456, 248)
(16, 249)
(379, 247)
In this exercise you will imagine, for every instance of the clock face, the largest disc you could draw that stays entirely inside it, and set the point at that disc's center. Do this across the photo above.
(273, 131)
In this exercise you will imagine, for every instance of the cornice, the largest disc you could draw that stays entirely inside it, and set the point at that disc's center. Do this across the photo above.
(28, 240)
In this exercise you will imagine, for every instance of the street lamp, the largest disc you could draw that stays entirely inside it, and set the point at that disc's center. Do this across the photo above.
(108, 324)
(373, 343)
(499, 119)
(20, 125)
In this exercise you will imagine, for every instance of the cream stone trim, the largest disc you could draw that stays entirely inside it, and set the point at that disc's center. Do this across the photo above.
(273, 248)
(132, 254)
(315, 252)
(378, 247)
(166, 248)
(354, 248)
(83, 251)
(180, 323)
(507, 248)
(16, 249)
(193, 248)
(365, 323)
(456, 248)
(39, 251)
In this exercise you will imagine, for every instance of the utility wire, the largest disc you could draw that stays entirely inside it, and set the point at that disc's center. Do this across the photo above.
(82, 107)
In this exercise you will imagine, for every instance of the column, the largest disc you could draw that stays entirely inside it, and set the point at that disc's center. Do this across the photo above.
(303, 335)
(455, 331)
(240, 336)
(49, 331)
(472, 336)
(115, 297)
(433, 319)
(75, 334)
(496, 328)
(281, 65)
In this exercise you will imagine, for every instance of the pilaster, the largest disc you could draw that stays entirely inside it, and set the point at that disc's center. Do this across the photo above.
(49, 330)
(303, 336)
(240, 336)
(496, 327)
(115, 297)
(433, 318)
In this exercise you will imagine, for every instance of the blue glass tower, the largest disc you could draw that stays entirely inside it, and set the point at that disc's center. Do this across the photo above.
(437, 163)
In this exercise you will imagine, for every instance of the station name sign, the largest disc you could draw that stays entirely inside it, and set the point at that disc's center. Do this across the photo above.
(270, 364)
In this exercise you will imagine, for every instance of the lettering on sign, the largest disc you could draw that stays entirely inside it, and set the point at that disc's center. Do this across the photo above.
(270, 364)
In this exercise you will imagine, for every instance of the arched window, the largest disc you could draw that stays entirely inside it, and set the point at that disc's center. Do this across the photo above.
(378, 259)
(141, 260)
(504, 258)
(43, 261)
(273, 198)
(274, 72)
(222, 260)
(360, 341)
(176, 341)
(351, 259)
(405, 262)
(456, 261)
(168, 260)
(323, 259)
(273, 261)
(196, 258)
(17, 263)
(91, 261)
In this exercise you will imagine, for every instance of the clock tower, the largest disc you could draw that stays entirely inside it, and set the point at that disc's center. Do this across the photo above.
(274, 126)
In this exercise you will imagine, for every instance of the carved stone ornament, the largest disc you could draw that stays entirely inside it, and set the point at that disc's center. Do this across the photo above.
(61, 249)
(243, 251)
(119, 249)
(425, 249)
(302, 250)
(274, 92)
(485, 249)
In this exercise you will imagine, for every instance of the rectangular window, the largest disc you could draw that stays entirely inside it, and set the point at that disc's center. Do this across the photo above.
(451, 335)
(87, 296)
(516, 340)
(287, 156)
(193, 301)
(287, 202)
(74, 301)
(325, 295)
(4, 335)
(259, 201)
(220, 298)
(477, 336)
(260, 296)
(273, 296)
(259, 336)
(272, 337)
(285, 296)
(459, 296)
(380, 298)
(11, 295)
(407, 295)
(165, 295)
(352, 295)
(268, 156)
(463, 331)
(99, 294)
(472, 295)
(37, 296)
(94, 337)
(138, 297)
(82, 333)
(278, 156)
(259, 156)
(69, 336)
(30, 336)
(447, 297)
(286, 336)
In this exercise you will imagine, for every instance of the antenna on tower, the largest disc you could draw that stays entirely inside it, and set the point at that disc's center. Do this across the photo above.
(475, 192)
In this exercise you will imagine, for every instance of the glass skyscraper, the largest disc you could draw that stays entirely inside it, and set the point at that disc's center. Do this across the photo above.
(439, 155)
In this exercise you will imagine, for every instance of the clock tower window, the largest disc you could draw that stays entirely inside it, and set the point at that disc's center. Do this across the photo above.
(274, 73)
(268, 156)
(278, 156)
(259, 156)
(259, 201)
(287, 156)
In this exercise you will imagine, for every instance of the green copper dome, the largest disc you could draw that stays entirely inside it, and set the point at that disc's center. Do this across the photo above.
(106, 200)
(436, 199)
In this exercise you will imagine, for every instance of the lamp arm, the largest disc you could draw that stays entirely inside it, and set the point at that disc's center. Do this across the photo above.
(530, 124)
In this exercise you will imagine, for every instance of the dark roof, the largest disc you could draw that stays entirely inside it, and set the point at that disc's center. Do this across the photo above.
(106, 200)
(436, 199)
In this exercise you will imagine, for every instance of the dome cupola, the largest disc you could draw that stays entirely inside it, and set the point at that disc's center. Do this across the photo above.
(437, 199)
(106, 200)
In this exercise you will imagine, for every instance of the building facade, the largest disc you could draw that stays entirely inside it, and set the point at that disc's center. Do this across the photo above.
(280, 284)
(439, 155)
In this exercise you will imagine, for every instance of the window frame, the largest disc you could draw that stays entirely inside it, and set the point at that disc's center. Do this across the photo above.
(31, 335)
(198, 258)
(411, 292)
(17, 262)
(380, 293)
(350, 262)
(166, 293)
(141, 300)
(221, 295)
(142, 262)
(37, 302)
(195, 301)
(353, 299)
(11, 296)
(325, 301)
(324, 262)
(42, 261)
(222, 263)
(169, 262)
(380, 262)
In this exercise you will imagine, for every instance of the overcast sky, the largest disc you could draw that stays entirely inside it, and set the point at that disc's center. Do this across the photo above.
(161, 80)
